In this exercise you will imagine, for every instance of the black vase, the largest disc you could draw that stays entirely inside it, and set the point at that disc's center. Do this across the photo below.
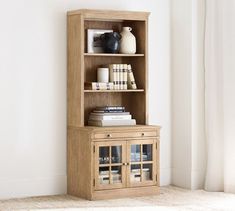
(111, 42)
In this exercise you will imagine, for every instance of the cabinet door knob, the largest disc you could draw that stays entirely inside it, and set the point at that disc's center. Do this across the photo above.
(109, 135)
(142, 134)
(125, 164)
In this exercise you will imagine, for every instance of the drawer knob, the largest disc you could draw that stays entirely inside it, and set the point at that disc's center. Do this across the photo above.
(142, 134)
(109, 135)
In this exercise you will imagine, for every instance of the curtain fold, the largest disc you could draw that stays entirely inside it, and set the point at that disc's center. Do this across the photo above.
(220, 95)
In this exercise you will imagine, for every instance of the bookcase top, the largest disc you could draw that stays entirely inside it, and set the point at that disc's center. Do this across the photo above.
(110, 14)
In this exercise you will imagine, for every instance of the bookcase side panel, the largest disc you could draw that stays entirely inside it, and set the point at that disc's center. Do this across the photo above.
(75, 77)
(79, 166)
(146, 74)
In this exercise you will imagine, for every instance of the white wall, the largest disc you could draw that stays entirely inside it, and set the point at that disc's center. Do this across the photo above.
(188, 135)
(33, 90)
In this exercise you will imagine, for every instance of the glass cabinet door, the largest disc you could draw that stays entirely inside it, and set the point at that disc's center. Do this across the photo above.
(141, 158)
(110, 172)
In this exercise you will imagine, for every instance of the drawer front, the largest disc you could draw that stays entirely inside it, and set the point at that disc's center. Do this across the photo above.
(133, 134)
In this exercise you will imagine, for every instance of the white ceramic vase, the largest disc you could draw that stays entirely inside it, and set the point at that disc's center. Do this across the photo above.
(128, 41)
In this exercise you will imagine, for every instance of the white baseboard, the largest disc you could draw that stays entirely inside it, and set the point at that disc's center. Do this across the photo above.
(189, 179)
(165, 176)
(198, 179)
(181, 178)
(33, 187)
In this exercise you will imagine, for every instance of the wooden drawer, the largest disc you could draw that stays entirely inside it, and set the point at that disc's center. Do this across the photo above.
(137, 134)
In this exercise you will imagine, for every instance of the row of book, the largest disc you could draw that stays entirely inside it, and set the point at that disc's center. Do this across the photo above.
(121, 78)
(110, 116)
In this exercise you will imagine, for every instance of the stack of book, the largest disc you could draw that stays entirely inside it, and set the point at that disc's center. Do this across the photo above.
(99, 86)
(122, 76)
(110, 116)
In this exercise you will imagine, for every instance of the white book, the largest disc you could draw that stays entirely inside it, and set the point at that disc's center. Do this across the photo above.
(117, 76)
(121, 78)
(103, 123)
(130, 78)
(109, 113)
(125, 76)
(112, 75)
(110, 117)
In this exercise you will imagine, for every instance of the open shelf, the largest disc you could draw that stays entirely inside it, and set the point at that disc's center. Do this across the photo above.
(111, 54)
(126, 90)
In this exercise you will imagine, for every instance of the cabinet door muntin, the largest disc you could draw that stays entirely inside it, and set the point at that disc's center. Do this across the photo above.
(109, 169)
(141, 158)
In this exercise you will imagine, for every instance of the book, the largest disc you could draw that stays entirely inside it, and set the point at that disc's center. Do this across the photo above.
(113, 75)
(103, 123)
(125, 76)
(109, 117)
(118, 76)
(110, 109)
(130, 78)
(109, 113)
(98, 86)
(121, 78)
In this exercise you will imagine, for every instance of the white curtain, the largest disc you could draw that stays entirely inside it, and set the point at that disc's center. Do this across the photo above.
(220, 95)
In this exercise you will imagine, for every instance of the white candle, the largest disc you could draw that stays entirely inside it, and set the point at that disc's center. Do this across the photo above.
(103, 74)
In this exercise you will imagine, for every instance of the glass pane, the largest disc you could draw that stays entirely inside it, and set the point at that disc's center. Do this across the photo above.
(116, 154)
(103, 155)
(147, 172)
(147, 152)
(135, 153)
(104, 175)
(135, 173)
(116, 172)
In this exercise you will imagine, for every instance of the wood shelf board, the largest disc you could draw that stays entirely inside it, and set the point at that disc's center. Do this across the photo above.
(114, 128)
(113, 91)
(113, 55)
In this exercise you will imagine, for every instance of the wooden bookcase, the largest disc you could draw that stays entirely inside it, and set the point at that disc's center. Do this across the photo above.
(82, 67)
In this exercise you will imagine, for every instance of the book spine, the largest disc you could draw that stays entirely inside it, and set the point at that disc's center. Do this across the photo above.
(118, 76)
(115, 117)
(130, 78)
(109, 114)
(115, 76)
(110, 107)
(111, 122)
(121, 76)
(99, 86)
(108, 111)
(112, 75)
(125, 76)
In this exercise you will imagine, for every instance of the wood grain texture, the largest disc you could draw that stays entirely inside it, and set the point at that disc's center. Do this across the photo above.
(75, 84)
(121, 90)
(113, 55)
(110, 14)
(125, 192)
(79, 161)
